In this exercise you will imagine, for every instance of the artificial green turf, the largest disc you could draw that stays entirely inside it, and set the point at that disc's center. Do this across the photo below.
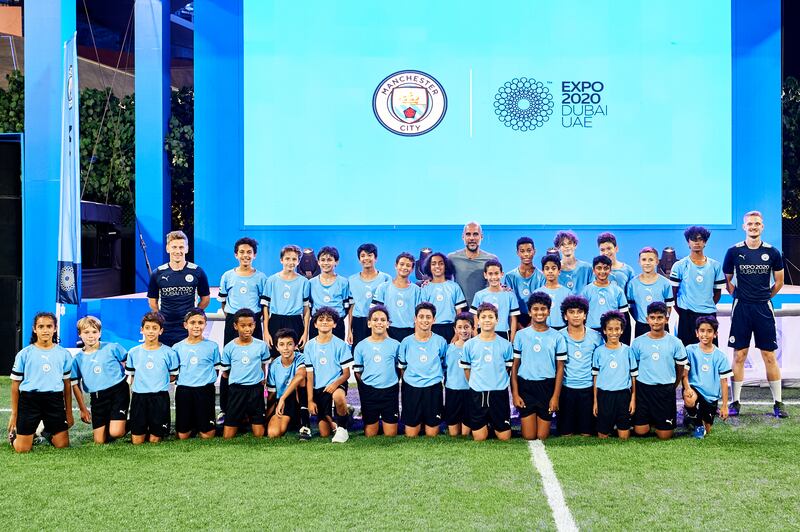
(743, 476)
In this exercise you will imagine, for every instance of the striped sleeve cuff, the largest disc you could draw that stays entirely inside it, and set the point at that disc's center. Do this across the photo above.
(624, 309)
(474, 310)
(719, 283)
(595, 371)
(562, 356)
(74, 382)
(726, 375)
(174, 372)
(634, 372)
(682, 361)
(463, 365)
(224, 367)
(402, 365)
(509, 363)
(222, 297)
(462, 303)
(358, 368)
(674, 281)
(271, 389)
(130, 371)
(17, 376)
(514, 312)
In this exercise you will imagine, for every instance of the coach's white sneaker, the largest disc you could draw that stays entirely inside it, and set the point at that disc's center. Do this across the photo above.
(341, 435)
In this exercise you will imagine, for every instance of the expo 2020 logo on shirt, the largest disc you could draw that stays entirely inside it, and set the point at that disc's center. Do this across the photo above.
(409, 103)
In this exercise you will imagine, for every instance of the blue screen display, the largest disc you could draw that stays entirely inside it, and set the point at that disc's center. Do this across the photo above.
(521, 113)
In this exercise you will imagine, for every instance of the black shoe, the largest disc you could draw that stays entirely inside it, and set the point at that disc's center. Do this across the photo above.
(780, 410)
(734, 409)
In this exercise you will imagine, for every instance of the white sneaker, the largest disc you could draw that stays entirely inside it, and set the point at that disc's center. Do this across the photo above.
(341, 435)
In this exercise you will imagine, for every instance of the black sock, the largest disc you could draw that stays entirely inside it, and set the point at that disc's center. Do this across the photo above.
(343, 421)
(305, 417)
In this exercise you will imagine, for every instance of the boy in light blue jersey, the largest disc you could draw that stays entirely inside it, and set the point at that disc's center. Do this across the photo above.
(362, 290)
(621, 273)
(486, 361)
(285, 377)
(328, 361)
(243, 362)
(400, 297)
(574, 274)
(705, 381)
(329, 289)
(614, 369)
(661, 358)
(697, 282)
(525, 278)
(242, 287)
(456, 388)
(375, 366)
(646, 288)
(100, 370)
(538, 371)
(602, 294)
(195, 394)
(152, 367)
(287, 300)
(503, 300)
(551, 267)
(577, 398)
(444, 293)
(421, 361)
(40, 388)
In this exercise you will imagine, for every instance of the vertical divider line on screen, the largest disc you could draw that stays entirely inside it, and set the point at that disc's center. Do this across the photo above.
(552, 487)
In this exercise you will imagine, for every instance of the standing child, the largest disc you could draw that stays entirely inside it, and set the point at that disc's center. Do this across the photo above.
(329, 289)
(444, 293)
(400, 296)
(646, 288)
(621, 273)
(538, 371)
(503, 300)
(525, 278)
(328, 361)
(602, 294)
(575, 274)
(697, 282)
(375, 366)
(241, 287)
(551, 267)
(100, 370)
(195, 394)
(486, 362)
(576, 401)
(661, 358)
(285, 377)
(421, 362)
(706, 380)
(287, 300)
(40, 388)
(456, 387)
(243, 362)
(152, 366)
(614, 369)
(362, 289)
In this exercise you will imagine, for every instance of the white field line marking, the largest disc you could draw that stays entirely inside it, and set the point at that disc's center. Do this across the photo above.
(552, 488)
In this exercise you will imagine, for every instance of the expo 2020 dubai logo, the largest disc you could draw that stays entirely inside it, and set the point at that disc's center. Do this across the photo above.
(523, 104)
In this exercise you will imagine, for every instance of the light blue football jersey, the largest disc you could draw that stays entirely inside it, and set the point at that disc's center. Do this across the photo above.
(240, 291)
(614, 367)
(279, 377)
(601, 300)
(488, 362)
(362, 292)
(42, 370)
(446, 297)
(706, 370)
(244, 362)
(100, 369)
(523, 287)
(696, 284)
(578, 369)
(538, 353)
(287, 298)
(151, 369)
(641, 294)
(657, 358)
(198, 362)
(505, 302)
(325, 361)
(400, 302)
(377, 362)
(422, 361)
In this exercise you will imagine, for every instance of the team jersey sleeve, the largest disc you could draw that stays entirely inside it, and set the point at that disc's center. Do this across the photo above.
(476, 301)
(262, 288)
(676, 274)
(380, 294)
(401, 355)
(215, 357)
(666, 292)
(727, 263)
(723, 366)
(264, 352)
(358, 358)
(225, 358)
(152, 287)
(222, 296)
(719, 277)
(513, 306)
(66, 367)
(508, 354)
(636, 349)
(75, 371)
(517, 346)
(344, 356)
(119, 352)
(271, 377)
(634, 363)
(266, 295)
(596, 362)
(347, 297)
(443, 351)
(777, 260)
(561, 348)
(630, 296)
(458, 295)
(18, 369)
(466, 358)
(681, 358)
(202, 283)
(130, 363)
(306, 292)
(622, 301)
(174, 361)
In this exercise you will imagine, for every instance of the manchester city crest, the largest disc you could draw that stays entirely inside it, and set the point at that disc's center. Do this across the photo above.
(409, 103)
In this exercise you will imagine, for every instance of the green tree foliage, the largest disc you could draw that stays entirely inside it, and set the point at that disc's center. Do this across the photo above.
(107, 145)
(12, 104)
(179, 145)
(791, 148)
